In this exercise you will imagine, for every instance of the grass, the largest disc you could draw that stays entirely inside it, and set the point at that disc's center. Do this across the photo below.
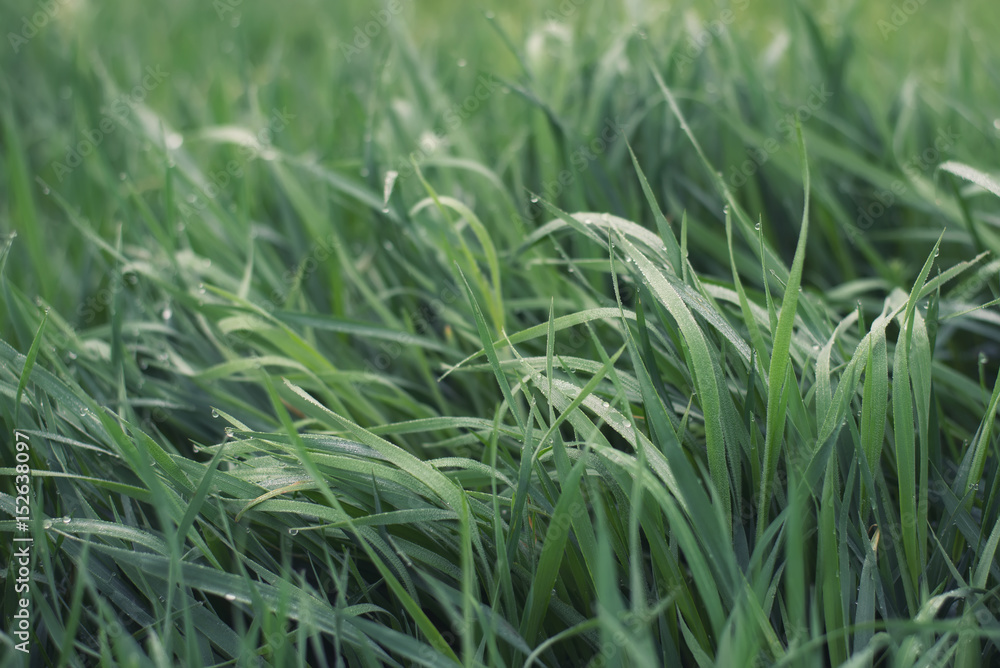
(575, 335)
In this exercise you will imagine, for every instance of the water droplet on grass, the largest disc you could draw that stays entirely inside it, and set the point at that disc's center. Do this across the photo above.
(215, 413)
(461, 62)
(66, 519)
(230, 597)
(47, 524)
(390, 181)
(293, 532)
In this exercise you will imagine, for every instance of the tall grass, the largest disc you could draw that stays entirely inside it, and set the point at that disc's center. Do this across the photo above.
(573, 335)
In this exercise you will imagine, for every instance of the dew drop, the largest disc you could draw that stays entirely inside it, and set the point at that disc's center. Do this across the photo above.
(66, 519)
(571, 270)
(201, 288)
(534, 198)
(47, 524)
(390, 181)
(293, 532)
(387, 245)
(174, 141)
(72, 355)
(215, 413)
(605, 404)
(230, 597)
(461, 62)
(167, 313)
(757, 227)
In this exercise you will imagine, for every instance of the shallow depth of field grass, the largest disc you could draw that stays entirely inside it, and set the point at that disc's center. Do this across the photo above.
(592, 334)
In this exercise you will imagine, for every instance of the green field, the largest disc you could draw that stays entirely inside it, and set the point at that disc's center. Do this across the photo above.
(574, 334)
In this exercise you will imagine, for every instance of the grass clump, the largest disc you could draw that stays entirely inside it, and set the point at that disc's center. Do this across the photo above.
(608, 336)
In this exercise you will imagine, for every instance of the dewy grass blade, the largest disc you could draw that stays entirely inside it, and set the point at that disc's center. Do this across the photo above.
(903, 433)
(779, 356)
(748, 319)
(491, 355)
(875, 395)
(670, 247)
(704, 370)
(980, 178)
(551, 558)
(420, 471)
(559, 324)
